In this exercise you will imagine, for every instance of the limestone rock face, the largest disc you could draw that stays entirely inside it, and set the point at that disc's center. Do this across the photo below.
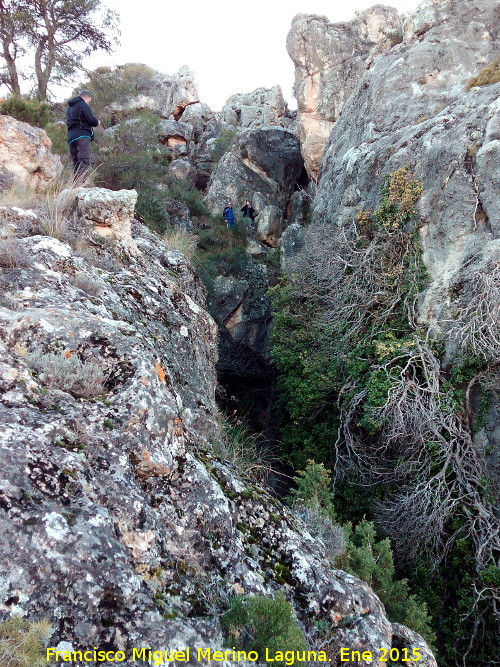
(270, 225)
(262, 107)
(109, 212)
(25, 156)
(118, 524)
(146, 88)
(263, 167)
(412, 108)
(329, 60)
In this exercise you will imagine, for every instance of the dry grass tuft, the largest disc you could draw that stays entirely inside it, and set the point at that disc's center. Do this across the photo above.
(245, 450)
(177, 239)
(12, 253)
(68, 373)
(21, 642)
(489, 74)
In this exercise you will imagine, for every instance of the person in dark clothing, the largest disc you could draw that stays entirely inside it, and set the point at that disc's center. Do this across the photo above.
(249, 216)
(228, 215)
(81, 122)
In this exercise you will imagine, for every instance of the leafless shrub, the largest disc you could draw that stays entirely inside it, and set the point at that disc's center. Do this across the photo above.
(323, 530)
(477, 324)
(86, 284)
(421, 444)
(68, 373)
(12, 253)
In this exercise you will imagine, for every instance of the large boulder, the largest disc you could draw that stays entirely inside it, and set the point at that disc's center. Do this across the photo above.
(263, 166)
(329, 60)
(108, 212)
(25, 156)
(141, 87)
(261, 107)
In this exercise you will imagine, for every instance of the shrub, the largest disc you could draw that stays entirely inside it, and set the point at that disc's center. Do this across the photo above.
(372, 561)
(314, 489)
(12, 253)
(489, 74)
(259, 622)
(189, 196)
(58, 134)
(21, 642)
(29, 111)
(67, 373)
(86, 284)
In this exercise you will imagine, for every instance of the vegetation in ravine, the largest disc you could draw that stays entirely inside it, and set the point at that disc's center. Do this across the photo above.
(362, 389)
(259, 622)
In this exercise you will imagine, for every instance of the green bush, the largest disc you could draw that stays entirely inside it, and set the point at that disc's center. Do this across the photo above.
(372, 561)
(29, 111)
(314, 489)
(188, 195)
(259, 622)
(58, 134)
(21, 642)
(489, 74)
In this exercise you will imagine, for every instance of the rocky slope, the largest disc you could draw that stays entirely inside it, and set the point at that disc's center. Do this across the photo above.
(119, 524)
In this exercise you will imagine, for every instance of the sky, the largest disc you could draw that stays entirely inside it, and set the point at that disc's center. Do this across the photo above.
(232, 47)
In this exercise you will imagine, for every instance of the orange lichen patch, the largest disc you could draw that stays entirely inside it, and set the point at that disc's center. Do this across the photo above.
(178, 428)
(67, 354)
(145, 468)
(161, 373)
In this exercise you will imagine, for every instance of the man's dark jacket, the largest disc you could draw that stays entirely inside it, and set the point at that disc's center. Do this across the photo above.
(248, 212)
(80, 119)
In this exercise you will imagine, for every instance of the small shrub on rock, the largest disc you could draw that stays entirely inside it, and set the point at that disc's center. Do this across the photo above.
(489, 74)
(68, 373)
(259, 622)
(12, 253)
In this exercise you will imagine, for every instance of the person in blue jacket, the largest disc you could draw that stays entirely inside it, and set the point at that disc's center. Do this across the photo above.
(228, 215)
(81, 122)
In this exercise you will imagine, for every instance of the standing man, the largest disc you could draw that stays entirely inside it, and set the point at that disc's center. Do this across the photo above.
(81, 122)
(248, 215)
(228, 215)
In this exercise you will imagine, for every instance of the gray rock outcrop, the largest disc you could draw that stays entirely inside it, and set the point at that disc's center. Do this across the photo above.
(146, 88)
(25, 156)
(412, 108)
(119, 525)
(261, 107)
(329, 60)
(263, 167)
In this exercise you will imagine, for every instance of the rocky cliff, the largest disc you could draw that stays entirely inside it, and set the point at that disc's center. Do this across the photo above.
(412, 107)
(120, 525)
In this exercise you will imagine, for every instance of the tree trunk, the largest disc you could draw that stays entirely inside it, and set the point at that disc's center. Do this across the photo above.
(13, 79)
